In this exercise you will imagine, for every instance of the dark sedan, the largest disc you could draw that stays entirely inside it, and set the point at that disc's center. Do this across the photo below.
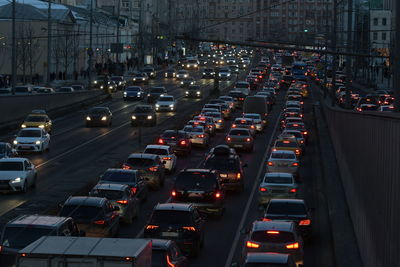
(99, 116)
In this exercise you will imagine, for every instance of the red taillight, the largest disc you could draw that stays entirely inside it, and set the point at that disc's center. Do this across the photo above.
(266, 220)
(151, 227)
(183, 143)
(263, 189)
(173, 193)
(153, 169)
(238, 175)
(219, 121)
(122, 201)
(270, 163)
(200, 136)
(293, 190)
(189, 228)
(169, 263)
(100, 222)
(305, 222)
(233, 125)
(293, 246)
(252, 126)
(274, 149)
(126, 167)
(248, 139)
(250, 244)
(133, 190)
(167, 158)
(160, 141)
(228, 139)
(218, 195)
(273, 232)
(305, 132)
(297, 152)
(241, 98)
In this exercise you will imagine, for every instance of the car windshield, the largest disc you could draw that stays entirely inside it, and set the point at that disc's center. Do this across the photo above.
(239, 132)
(140, 162)
(191, 129)
(278, 179)
(97, 111)
(118, 176)
(109, 194)
(195, 180)
(241, 85)
(11, 166)
(287, 208)
(35, 119)
(213, 114)
(222, 164)
(133, 89)
(278, 155)
(30, 133)
(272, 237)
(20, 237)
(142, 109)
(295, 133)
(156, 151)
(116, 79)
(182, 72)
(170, 217)
(81, 212)
(166, 98)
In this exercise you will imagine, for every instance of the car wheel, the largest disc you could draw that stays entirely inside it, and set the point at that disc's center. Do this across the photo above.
(24, 188)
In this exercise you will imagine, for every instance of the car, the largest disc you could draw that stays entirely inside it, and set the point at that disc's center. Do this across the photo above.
(94, 215)
(23, 90)
(119, 81)
(218, 119)
(228, 166)
(170, 73)
(206, 122)
(367, 107)
(133, 92)
(297, 126)
(166, 253)
(25, 229)
(238, 97)
(294, 134)
(110, 86)
(288, 143)
(155, 92)
(257, 120)
(197, 135)
(268, 259)
(234, 68)
(66, 89)
(186, 82)
(99, 81)
(144, 115)
(150, 168)
(276, 185)
(294, 210)
(32, 140)
(208, 73)
(283, 161)
(140, 77)
(17, 174)
(179, 222)
(386, 108)
(222, 105)
(43, 90)
(182, 74)
(269, 90)
(242, 86)
(228, 100)
(98, 116)
(166, 155)
(131, 178)
(240, 138)
(201, 188)
(7, 151)
(191, 64)
(38, 118)
(119, 195)
(245, 124)
(166, 103)
(224, 74)
(150, 71)
(178, 140)
(193, 91)
(274, 236)
(78, 87)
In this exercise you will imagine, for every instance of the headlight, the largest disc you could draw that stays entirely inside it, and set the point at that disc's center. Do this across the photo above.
(149, 117)
(171, 106)
(198, 92)
(95, 82)
(104, 118)
(125, 93)
(101, 87)
(204, 73)
(191, 82)
(188, 65)
(195, 65)
(152, 73)
(119, 83)
(16, 180)
(110, 87)
(41, 126)
(228, 74)
(15, 142)
(133, 117)
(157, 105)
(38, 142)
(166, 74)
(88, 118)
(185, 75)
(134, 79)
(187, 92)
(23, 126)
(181, 82)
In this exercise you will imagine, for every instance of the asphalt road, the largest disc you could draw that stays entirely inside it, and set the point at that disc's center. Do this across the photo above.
(79, 155)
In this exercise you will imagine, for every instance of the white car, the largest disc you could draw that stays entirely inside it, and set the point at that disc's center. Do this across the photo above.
(32, 140)
(166, 103)
(283, 161)
(218, 120)
(229, 100)
(182, 74)
(224, 74)
(165, 153)
(276, 185)
(258, 122)
(17, 174)
(197, 134)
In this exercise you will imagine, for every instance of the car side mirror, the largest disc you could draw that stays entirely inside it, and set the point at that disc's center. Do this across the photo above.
(116, 208)
(82, 233)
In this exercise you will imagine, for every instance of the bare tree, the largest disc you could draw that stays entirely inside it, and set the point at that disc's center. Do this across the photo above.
(34, 52)
(22, 51)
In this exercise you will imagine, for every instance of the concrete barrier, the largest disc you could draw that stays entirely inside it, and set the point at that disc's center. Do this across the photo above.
(13, 109)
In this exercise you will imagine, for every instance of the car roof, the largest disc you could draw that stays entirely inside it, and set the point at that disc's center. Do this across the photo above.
(174, 206)
(278, 174)
(142, 156)
(283, 151)
(287, 200)
(110, 186)
(37, 220)
(158, 147)
(13, 159)
(273, 225)
(120, 170)
(266, 257)
(85, 201)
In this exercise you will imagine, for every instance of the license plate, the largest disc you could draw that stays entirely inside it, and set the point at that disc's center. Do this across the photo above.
(25, 147)
(169, 234)
(237, 145)
(283, 165)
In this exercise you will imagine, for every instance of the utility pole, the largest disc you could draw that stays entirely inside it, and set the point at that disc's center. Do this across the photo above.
(334, 44)
(118, 30)
(348, 48)
(13, 51)
(140, 41)
(90, 49)
(326, 47)
(396, 56)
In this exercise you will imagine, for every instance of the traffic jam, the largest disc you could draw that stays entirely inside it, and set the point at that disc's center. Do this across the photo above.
(201, 166)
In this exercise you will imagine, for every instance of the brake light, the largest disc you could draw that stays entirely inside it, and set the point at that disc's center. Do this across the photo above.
(263, 189)
(218, 195)
(122, 201)
(238, 175)
(133, 190)
(189, 228)
(293, 246)
(248, 139)
(219, 121)
(270, 163)
(241, 98)
(273, 232)
(305, 222)
(286, 142)
(100, 222)
(160, 141)
(293, 190)
(266, 220)
(252, 126)
(167, 158)
(233, 125)
(228, 139)
(250, 244)
(274, 149)
(297, 152)
(305, 132)
(183, 143)
(200, 136)
(126, 167)
(301, 141)
(173, 193)
(153, 169)
(151, 227)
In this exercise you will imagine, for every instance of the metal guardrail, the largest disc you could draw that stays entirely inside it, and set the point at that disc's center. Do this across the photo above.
(367, 147)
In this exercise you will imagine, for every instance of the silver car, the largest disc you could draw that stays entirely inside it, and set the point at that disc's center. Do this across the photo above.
(240, 138)
(258, 122)
(17, 174)
(276, 185)
(197, 134)
(218, 120)
(283, 161)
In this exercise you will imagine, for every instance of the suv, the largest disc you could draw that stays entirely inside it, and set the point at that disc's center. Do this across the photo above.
(95, 215)
(228, 167)
(179, 141)
(25, 229)
(155, 92)
(179, 222)
(200, 187)
(144, 115)
(150, 168)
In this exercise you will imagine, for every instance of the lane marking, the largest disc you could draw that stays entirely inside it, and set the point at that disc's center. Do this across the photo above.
(250, 199)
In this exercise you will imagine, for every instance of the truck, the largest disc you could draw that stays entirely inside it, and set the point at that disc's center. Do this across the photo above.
(254, 104)
(53, 251)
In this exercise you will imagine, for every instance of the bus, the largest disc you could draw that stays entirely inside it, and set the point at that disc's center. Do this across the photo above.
(299, 70)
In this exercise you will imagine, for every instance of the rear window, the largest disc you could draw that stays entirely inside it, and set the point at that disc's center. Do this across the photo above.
(171, 217)
(120, 177)
(292, 208)
(140, 162)
(109, 194)
(11, 166)
(277, 155)
(278, 180)
(273, 237)
(222, 164)
(20, 237)
(156, 151)
(81, 212)
(239, 132)
(198, 180)
(174, 134)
